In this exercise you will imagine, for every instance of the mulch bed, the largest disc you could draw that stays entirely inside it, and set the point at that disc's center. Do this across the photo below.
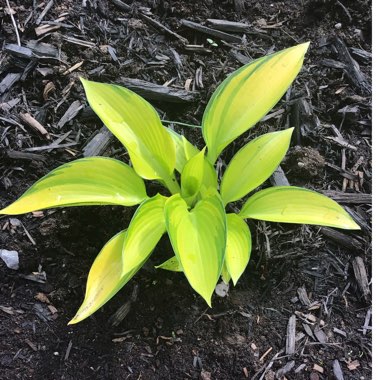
(302, 310)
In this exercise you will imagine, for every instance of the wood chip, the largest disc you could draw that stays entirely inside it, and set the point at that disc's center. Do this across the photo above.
(99, 143)
(43, 29)
(70, 113)
(337, 370)
(318, 368)
(284, 370)
(342, 239)
(43, 49)
(302, 295)
(353, 365)
(32, 122)
(31, 345)
(228, 26)
(349, 198)
(212, 32)
(361, 276)
(44, 12)
(264, 355)
(366, 321)
(341, 142)
(49, 87)
(164, 28)
(68, 350)
(42, 297)
(79, 42)
(8, 81)
(152, 91)
(320, 335)
(291, 336)
(73, 68)
(278, 178)
(19, 51)
(352, 68)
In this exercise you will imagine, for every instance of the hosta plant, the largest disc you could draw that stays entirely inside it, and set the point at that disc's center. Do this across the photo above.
(208, 240)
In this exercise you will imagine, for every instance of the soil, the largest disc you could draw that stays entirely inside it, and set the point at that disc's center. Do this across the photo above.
(168, 331)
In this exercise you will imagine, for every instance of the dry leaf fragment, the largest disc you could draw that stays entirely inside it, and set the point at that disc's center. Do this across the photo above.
(353, 365)
(50, 87)
(42, 298)
(318, 368)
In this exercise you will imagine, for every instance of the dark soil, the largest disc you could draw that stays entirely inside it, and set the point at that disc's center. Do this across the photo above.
(169, 333)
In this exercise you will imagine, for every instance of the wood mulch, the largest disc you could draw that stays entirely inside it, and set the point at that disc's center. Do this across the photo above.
(303, 308)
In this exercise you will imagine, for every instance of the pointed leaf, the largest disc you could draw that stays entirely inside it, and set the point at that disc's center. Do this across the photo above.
(254, 164)
(105, 278)
(198, 238)
(226, 277)
(137, 125)
(144, 232)
(87, 181)
(239, 245)
(171, 264)
(192, 175)
(247, 95)
(288, 204)
(184, 149)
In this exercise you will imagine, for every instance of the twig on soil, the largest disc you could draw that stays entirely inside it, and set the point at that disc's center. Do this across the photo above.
(68, 349)
(352, 68)
(212, 32)
(164, 28)
(345, 10)
(200, 316)
(366, 325)
(228, 26)
(14, 23)
(16, 155)
(51, 146)
(266, 368)
(265, 354)
(44, 12)
(121, 5)
(124, 309)
(32, 122)
(153, 91)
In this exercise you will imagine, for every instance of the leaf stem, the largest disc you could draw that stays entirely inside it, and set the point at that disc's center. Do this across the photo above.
(172, 185)
(180, 123)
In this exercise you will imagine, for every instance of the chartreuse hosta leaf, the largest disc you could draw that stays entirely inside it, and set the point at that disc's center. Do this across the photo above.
(137, 125)
(87, 181)
(171, 264)
(239, 246)
(192, 176)
(183, 148)
(185, 151)
(198, 238)
(123, 256)
(253, 164)
(238, 251)
(288, 204)
(105, 277)
(247, 95)
(144, 232)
